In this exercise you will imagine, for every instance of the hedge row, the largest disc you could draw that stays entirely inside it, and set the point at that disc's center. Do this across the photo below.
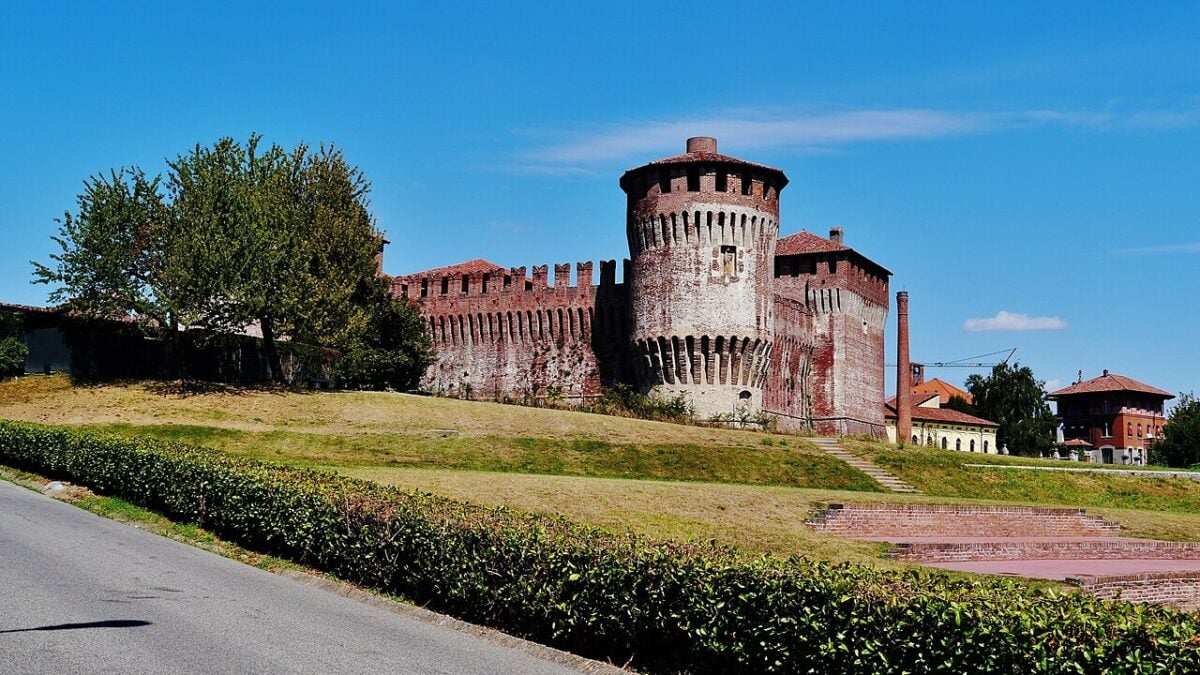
(666, 608)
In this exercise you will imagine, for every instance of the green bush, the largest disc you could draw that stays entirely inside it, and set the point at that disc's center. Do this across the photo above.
(666, 608)
(625, 401)
(13, 353)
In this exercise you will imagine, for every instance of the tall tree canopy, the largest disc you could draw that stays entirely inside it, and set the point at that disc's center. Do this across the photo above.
(114, 251)
(1015, 400)
(1180, 444)
(236, 235)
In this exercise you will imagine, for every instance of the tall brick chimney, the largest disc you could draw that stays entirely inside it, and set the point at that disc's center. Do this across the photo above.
(903, 372)
(836, 235)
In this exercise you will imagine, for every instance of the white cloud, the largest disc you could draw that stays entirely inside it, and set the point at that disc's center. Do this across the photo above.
(1193, 247)
(1014, 321)
(820, 131)
(1052, 385)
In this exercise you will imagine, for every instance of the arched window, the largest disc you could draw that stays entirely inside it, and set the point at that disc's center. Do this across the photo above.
(916, 441)
(958, 444)
(985, 447)
(944, 444)
(972, 445)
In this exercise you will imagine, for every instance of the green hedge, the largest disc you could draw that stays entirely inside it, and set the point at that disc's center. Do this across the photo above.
(665, 608)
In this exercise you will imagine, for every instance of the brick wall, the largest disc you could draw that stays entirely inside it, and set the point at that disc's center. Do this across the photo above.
(848, 298)
(1177, 589)
(1120, 549)
(931, 520)
(506, 333)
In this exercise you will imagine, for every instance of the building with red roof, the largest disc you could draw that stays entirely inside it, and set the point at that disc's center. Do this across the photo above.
(943, 389)
(945, 428)
(1117, 415)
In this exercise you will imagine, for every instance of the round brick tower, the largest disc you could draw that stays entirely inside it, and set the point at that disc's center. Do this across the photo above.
(702, 228)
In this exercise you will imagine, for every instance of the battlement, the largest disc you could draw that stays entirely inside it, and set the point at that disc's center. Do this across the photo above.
(501, 281)
(727, 225)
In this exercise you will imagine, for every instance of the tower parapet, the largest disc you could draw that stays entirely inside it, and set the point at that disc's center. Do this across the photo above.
(702, 228)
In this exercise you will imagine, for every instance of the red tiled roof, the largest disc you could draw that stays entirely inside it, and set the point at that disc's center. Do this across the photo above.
(1109, 382)
(807, 242)
(943, 389)
(468, 267)
(709, 157)
(1077, 443)
(918, 399)
(944, 415)
(11, 307)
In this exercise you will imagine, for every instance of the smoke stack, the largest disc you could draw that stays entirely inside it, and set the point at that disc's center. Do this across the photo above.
(835, 235)
(903, 372)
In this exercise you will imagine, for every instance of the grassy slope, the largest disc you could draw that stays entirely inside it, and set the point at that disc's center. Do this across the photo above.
(379, 429)
(945, 473)
(486, 453)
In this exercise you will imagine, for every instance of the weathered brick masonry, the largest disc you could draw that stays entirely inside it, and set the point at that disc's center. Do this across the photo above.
(712, 306)
(935, 520)
(1177, 589)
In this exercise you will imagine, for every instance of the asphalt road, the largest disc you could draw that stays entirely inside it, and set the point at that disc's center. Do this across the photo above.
(83, 594)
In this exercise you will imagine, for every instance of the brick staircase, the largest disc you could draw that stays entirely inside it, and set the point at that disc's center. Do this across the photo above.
(885, 479)
(1046, 543)
(1177, 589)
(900, 522)
(1062, 549)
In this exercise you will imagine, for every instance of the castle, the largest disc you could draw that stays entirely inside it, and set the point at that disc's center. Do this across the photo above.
(712, 305)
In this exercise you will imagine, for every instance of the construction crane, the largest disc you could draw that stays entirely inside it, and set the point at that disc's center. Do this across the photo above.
(918, 369)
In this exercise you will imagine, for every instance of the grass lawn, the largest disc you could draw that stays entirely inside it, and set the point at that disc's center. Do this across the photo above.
(944, 473)
(742, 488)
(353, 429)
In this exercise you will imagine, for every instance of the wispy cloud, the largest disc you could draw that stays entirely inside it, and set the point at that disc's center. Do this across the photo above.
(1051, 385)
(1011, 321)
(1192, 247)
(821, 131)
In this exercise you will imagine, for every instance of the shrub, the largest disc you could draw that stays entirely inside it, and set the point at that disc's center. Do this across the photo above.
(12, 357)
(666, 607)
(623, 400)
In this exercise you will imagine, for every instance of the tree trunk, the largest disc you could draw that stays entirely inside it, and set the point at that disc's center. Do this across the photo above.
(177, 346)
(273, 361)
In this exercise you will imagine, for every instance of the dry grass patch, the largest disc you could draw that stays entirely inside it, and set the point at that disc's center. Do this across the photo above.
(757, 519)
(53, 400)
(372, 429)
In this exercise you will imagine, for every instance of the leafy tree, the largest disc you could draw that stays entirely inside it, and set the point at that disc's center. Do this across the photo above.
(1180, 444)
(282, 239)
(243, 235)
(115, 256)
(12, 351)
(960, 404)
(12, 356)
(392, 350)
(1012, 398)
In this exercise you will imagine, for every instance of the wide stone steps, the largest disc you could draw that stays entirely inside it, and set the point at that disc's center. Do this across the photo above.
(885, 479)
(1063, 549)
(903, 522)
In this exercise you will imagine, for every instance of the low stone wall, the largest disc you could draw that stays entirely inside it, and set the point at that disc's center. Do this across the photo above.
(949, 520)
(1126, 549)
(1177, 589)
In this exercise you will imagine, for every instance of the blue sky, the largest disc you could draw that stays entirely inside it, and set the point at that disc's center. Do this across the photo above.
(1016, 165)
